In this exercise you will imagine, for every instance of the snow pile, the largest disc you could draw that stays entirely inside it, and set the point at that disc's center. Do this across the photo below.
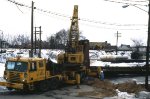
(124, 95)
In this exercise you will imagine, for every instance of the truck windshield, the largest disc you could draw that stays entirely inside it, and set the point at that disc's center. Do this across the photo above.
(16, 66)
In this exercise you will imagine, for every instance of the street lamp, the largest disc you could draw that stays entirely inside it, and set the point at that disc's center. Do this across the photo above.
(148, 43)
(125, 6)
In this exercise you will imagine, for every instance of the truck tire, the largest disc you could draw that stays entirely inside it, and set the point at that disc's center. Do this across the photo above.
(82, 76)
(54, 83)
(43, 86)
(9, 88)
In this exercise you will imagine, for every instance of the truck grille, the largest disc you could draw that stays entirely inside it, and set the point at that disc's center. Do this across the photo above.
(14, 77)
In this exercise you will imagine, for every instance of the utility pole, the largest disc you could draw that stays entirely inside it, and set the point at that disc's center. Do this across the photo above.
(32, 9)
(147, 51)
(117, 35)
(35, 40)
(40, 43)
(2, 42)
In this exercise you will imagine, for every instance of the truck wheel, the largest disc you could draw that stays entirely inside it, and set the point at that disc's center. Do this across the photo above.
(9, 88)
(83, 76)
(43, 86)
(54, 83)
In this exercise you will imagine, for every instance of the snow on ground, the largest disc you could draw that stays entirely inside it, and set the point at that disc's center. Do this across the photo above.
(123, 95)
(103, 64)
(97, 56)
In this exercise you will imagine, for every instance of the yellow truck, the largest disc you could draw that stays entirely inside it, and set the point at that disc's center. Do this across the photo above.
(30, 74)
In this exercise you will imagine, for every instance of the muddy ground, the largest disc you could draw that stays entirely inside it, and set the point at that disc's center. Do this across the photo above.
(108, 89)
(91, 89)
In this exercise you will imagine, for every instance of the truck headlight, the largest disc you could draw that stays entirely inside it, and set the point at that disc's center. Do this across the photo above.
(23, 80)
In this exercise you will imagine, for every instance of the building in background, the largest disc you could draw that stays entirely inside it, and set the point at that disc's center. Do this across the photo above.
(99, 45)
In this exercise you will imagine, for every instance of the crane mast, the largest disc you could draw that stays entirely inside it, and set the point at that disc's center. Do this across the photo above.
(74, 29)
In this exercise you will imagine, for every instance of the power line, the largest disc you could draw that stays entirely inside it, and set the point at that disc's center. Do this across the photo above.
(82, 19)
(54, 13)
(112, 28)
(88, 20)
(19, 8)
(17, 3)
(115, 24)
(126, 3)
(139, 1)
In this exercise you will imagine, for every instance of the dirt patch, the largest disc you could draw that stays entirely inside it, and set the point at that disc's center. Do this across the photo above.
(101, 89)
(95, 94)
(106, 88)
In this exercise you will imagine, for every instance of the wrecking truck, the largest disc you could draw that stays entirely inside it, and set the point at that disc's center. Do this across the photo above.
(41, 74)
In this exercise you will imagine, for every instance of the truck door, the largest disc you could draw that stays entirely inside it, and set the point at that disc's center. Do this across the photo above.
(33, 72)
(41, 70)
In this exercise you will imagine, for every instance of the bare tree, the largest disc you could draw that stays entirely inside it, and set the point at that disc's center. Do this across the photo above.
(136, 54)
(51, 41)
(20, 41)
(137, 44)
(60, 39)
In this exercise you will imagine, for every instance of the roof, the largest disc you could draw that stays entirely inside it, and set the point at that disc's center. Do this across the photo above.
(125, 48)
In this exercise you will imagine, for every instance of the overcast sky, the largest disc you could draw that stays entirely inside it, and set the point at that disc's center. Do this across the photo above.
(106, 18)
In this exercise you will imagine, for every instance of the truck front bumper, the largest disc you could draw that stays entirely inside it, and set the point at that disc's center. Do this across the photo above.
(12, 85)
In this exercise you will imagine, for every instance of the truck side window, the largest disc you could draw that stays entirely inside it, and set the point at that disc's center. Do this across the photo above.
(41, 64)
(33, 66)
